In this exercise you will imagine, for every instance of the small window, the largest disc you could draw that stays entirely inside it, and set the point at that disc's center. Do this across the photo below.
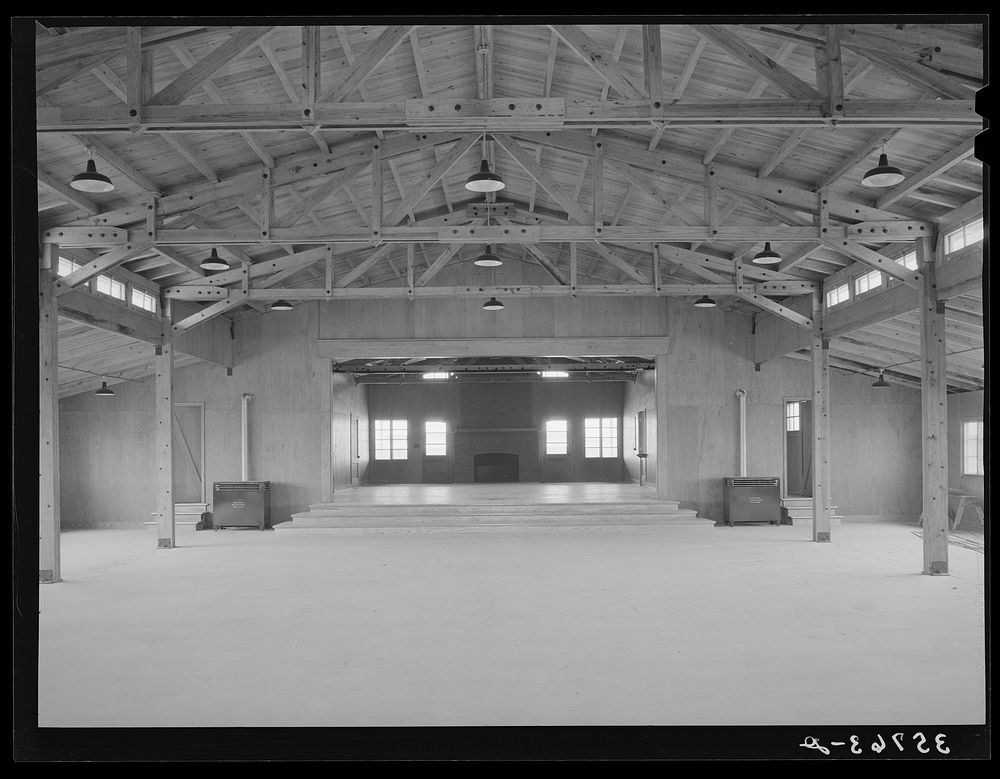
(142, 299)
(437, 376)
(908, 261)
(435, 438)
(553, 374)
(600, 437)
(868, 282)
(390, 439)
(555, 436)
(972, 447)
(111, 287)
(839, 294)
(793, 421)
(966, 235)
(66, 267)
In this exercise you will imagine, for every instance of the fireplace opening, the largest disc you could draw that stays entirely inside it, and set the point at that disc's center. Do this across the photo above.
(495, 467)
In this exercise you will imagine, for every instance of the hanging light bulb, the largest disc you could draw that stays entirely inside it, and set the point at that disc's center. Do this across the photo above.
(883, 174)
(214, 262)
(90, 180)
(281, 305)
(484, 180)
(488, 259)
(704, 302)
(768, 256)
(105, 391)
(881, 382)
(492, 305)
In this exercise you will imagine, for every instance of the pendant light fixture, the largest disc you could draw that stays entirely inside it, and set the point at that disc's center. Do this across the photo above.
(488, 259)
(768, 256)
(881, 382)
(105, 391)
(492, 305)
(90, 180)
(883, 174)
(484, 180)
(281, 305)
(214, 262)
(704, 302)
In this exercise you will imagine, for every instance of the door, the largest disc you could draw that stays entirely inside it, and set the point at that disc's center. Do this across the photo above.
(356, 450)
(798, 448)
(341, 452)
(188, 447)
(437, 455)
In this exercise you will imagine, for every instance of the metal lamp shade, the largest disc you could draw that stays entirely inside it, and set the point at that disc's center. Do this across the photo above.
(488, 259)
(214, 262)
(105, 391)
(492, 305)
(704, 302)
(484, 180)
(883, 174)
(91, 181)
(768, 256)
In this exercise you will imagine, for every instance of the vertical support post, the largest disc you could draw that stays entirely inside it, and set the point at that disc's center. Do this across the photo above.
(310, 69)
(598, 186)
(151, 218)
(164, 453)
(934, 414)
(376, 193)
(134, 80)
(711, 202)
(652, 61)
(834, 71)
(572, 268)
(657, 276)
(820, 348)
(266, 204)
(662, 488)
(410, 256)
(329, 270)
(49, 567)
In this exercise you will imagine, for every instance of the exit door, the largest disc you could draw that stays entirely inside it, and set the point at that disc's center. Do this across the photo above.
(798, 448)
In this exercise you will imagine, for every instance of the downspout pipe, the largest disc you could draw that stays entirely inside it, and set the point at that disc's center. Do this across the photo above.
(742, 395)
(245, 455)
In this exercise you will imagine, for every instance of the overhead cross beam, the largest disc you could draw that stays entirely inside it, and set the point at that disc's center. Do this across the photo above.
(598, 59)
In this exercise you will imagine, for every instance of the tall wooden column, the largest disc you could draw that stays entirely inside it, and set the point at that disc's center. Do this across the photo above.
(164, 455)
(662, 487)
(820, 349)
(49, 569)
(934, 415)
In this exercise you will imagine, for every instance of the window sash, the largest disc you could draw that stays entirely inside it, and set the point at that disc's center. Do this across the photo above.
(600, 437)
(390, 439)
(435, 438)
(556, 436)
(972, 448)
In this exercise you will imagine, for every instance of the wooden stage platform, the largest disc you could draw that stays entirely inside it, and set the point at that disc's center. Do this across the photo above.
(417, 507)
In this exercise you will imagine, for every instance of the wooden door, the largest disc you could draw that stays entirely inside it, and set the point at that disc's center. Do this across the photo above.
(188, 445)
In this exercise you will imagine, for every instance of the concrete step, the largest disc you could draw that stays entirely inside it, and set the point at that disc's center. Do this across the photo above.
(499, 507)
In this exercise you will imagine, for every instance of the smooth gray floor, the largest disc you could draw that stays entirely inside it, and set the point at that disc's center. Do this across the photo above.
(744, 625)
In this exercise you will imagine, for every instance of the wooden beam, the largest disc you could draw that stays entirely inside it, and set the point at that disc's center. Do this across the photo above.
(185, 149)
(598, 185)
(388, 348)
(443, 259)
(134, 96)
(774, 307)
(240, 42)
(163, 440)
(871, 258)
(786, 148)
(763, 65)
(234, 298)
(934, 416)
(373, 56)
(332, 185)
(622, 265)
(916, 74)
(794, 259)
(49, 565)
(102, 264)
(99, 149)
(433, 177)
(377, 192)
(599, 60)
(361, 269)
(51, 77)
(279, 71)
(873, 142)
(834, 71)
(821, 424)
(652, 63)
(928, 172)
(312, 60)
(66, 192)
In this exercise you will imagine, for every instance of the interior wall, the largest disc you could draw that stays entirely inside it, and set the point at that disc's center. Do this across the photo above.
(501, 416)
(963, 405)
(106, 443)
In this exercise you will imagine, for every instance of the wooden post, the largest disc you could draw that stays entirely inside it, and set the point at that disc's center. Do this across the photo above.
(164, 455)
(934, 415)
(376, 193)
(48, 421)
(661, 427)
(598, 185)
(820, 348)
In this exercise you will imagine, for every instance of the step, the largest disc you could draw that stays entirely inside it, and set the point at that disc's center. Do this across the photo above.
(499, 507)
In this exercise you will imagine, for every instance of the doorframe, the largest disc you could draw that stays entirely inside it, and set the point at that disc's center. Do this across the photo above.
(204, 483)
(784, 438)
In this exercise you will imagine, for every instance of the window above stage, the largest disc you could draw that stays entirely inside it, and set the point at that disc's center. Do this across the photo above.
(839, 294)
(966, 235)
(435, 438)
(390, 439)
(600, 437)
(556, 436)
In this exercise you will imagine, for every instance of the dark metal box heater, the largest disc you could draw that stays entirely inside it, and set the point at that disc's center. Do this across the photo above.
(751, 499)
(242, 504)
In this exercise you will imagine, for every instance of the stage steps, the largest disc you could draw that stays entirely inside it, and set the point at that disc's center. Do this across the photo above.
(493, 516)
(800, 511)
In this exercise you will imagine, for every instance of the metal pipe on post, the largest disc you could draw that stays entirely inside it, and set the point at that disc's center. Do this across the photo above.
(742, 395)
(247, 397)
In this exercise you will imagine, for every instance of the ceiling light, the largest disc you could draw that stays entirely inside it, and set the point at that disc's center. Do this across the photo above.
(492, 305)
(105, 391)
(214, 262)
(883, 174)
(280, 305)
(881, 382)
(704, 302)
(485, 180)
(768, 256)
(91, 181)
(488, 259)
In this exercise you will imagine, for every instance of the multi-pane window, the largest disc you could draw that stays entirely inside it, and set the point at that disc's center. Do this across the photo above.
(390, 439)
(868, 282)
(908, 260)
(142, 299)
(793, 422)
(972, 447)
(600, 437)
(555, 436)
(109, 286)
(966, 235)
(839, 294)
(66, 267)
(435, 438)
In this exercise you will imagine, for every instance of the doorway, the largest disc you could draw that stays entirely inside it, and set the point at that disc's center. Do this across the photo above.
(798, 448)
(188, 447)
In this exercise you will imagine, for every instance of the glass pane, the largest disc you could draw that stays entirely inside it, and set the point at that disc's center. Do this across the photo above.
(974, 232)
(592, 451)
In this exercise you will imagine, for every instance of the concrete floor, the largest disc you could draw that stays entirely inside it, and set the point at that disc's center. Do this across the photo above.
(744, 625)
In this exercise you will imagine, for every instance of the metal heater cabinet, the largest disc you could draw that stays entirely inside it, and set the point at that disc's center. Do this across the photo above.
(242, 504)
(751, 499)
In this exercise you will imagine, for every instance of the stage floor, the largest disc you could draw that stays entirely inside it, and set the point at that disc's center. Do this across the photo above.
(483, 493)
